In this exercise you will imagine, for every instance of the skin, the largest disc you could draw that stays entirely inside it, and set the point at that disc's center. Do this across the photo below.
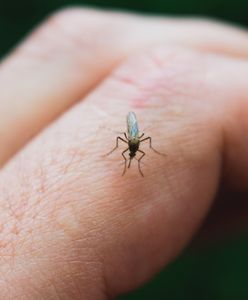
(71, 227)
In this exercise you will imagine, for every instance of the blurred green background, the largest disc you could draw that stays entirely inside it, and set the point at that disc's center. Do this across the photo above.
(17, 17)
(216, 272)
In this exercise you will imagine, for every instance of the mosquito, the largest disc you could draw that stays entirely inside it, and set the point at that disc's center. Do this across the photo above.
(133, 140)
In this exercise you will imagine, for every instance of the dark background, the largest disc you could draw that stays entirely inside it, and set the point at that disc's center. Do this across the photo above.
(220, 270)
(17, 17)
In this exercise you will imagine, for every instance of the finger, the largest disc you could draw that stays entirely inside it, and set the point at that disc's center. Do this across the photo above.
(208, 35)
(49, 72)
(74, 222)
(75, 49)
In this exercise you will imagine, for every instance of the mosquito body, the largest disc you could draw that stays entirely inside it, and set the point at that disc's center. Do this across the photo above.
(133, 140)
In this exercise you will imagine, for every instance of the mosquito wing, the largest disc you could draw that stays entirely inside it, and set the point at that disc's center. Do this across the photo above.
(132, 125)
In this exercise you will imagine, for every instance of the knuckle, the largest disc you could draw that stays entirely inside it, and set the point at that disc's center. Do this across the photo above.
(68, 32)
(163, 72)
(77, 21)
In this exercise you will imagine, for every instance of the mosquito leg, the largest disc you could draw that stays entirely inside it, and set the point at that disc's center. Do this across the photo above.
(125, 135)
(117, 144)
(141, 135)
(129, 164)
(150, 142)
(125, 167)
(139, 160)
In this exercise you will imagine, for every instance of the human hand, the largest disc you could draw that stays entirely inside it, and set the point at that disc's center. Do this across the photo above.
(71, 226)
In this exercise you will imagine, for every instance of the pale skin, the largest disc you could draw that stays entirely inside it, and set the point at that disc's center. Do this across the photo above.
(71, 227)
